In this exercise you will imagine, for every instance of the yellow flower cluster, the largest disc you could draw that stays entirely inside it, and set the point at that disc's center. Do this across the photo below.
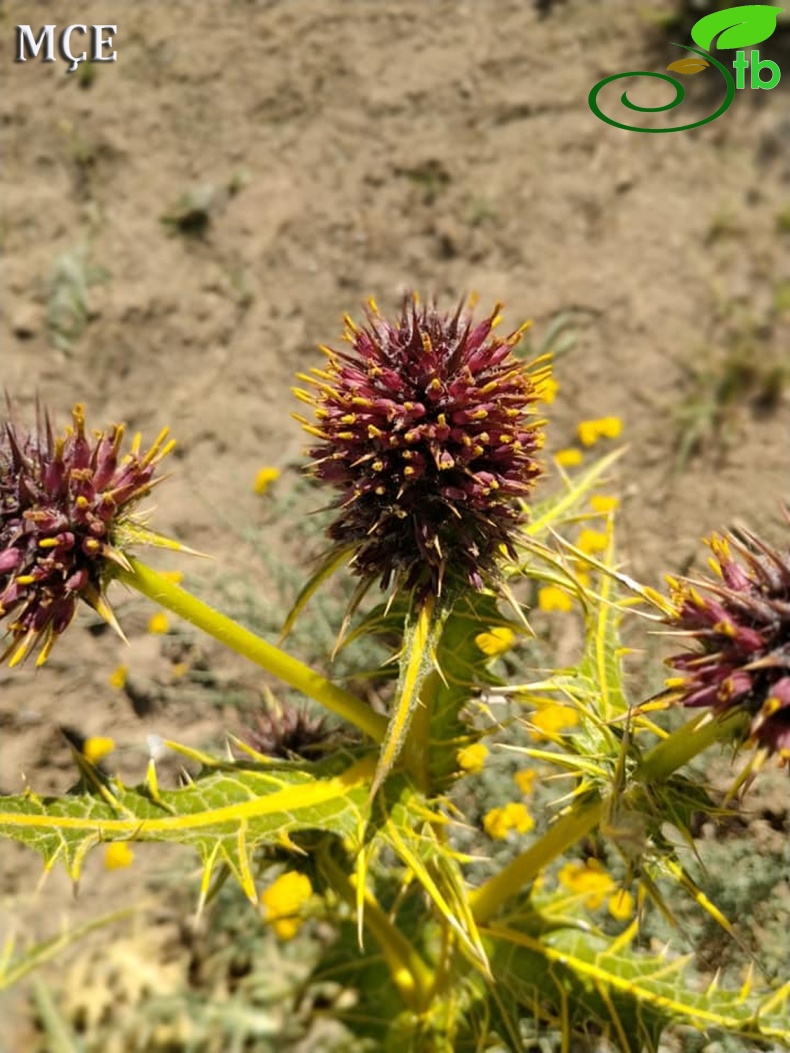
(96, 747)
(589, 432)
(569, 457)
(118, 855)
(471, 759)
(513, 816)
(525, 780)
(159, 624)
(496, 641)
(595, 885)
(553, 598)
(603, 503)
(118, 677)
(283, 900)
(552, 719)
(264, 478)
(547, 388)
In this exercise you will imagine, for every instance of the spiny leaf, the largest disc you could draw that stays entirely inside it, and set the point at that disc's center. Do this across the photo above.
(736, 27)
(688, 65)
(564, 507)
(225, 813)
(418, 659)
(438, 873)
(586, 979)
(328, 566)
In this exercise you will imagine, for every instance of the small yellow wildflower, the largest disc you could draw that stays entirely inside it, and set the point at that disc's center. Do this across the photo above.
(512, 816)
(551, 720)
(118, 855)
(547, 389)
(582, 578)
(569, 458)
(591, 541)
(471, 759)
(604, 503)
(96, 747)
(590, 431)
(179, 670)
(589, 878)
(158, 623)
(525, 780)
(621, 905)
(264, 479)
(283, 900)
(175, 576)
(118, 677)
(496, 641)
(553, 598)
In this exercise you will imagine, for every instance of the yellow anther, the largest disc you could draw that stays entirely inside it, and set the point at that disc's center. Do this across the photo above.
(518, 333)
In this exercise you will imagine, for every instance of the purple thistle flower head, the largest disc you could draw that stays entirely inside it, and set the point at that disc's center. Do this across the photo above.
(742, 624)
(65, 518)
(425, 428)
(287, 732)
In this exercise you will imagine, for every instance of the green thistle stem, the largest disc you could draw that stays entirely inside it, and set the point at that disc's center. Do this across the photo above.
(676, 750)
(487, 899)
(243, 642)
(409, 972)
(417, 747)
(685, 743)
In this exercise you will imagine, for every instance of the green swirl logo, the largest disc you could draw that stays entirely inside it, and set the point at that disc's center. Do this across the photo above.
(738, 27)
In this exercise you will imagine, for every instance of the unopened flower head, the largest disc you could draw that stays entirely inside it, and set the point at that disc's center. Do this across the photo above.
(426, 429)
(66, 517)
(742, 622)
(289, 731)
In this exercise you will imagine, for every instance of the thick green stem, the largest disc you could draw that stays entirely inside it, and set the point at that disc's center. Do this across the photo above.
(675, 751)
(243, 642)
(409, 972)
(416, 749)
(487, 900)
(684, 744)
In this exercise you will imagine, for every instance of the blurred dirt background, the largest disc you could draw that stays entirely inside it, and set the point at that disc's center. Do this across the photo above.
(182, 228)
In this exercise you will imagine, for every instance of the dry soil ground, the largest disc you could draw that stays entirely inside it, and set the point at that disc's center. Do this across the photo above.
(180, 229)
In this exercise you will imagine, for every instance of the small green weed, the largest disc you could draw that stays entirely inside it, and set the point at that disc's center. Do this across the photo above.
(68, 307)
